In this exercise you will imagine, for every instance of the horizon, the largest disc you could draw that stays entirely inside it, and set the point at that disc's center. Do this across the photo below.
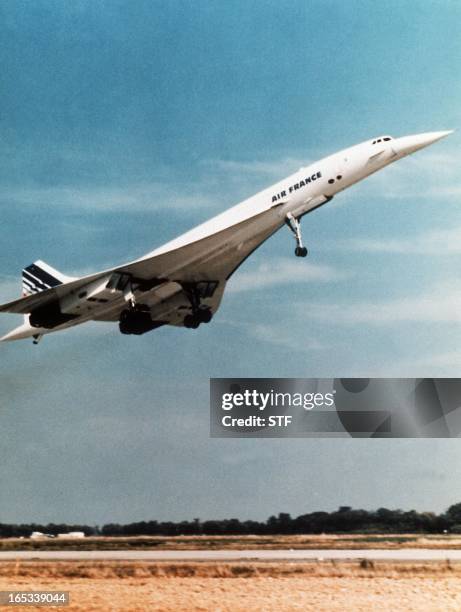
(454, 508)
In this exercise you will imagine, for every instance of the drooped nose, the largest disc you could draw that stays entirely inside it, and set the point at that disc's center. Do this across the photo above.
(409, 144)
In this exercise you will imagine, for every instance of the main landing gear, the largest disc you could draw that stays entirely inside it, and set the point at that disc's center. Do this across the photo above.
(295, 227)
(200, 312)
(203, 315)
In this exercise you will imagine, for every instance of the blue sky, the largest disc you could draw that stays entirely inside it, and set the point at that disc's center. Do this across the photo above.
(123, 124)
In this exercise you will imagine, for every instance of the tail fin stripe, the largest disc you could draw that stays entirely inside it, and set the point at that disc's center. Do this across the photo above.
(42, 276)
(39, 276)
(30, 278)
(35, 282)
(28, 286)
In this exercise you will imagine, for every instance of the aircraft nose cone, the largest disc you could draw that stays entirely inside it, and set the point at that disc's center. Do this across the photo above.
(410, 144)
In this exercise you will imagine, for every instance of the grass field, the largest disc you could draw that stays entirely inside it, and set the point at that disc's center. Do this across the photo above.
(324, 586)
(355, 541)
(238, 586)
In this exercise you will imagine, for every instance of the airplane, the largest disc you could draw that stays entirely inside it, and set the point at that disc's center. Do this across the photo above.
(182, 282)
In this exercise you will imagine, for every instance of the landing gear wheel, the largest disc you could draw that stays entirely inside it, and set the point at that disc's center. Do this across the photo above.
(295, 227)
(191, 322)
(205, 315)
(300, 251)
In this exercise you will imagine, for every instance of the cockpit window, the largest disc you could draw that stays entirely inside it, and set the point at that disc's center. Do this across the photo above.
(382, 139)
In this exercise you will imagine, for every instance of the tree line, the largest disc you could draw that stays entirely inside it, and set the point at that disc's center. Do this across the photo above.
(343, 520)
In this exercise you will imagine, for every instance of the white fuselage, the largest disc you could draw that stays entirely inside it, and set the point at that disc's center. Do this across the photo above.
(213, 250)
(294, 193)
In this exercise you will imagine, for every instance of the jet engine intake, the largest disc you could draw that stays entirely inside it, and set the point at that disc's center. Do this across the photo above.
(49, 316)
(137, 322)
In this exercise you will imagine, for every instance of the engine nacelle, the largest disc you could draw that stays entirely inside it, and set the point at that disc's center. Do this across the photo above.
(137, 322)
(49, 316)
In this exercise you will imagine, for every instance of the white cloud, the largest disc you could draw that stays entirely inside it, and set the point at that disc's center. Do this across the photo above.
(285, 335)
(276, 169)
(153, 196)
(10, 289)
(443, 364)
(435, 242)
(280, 272)
(442, 304)
(218, 184)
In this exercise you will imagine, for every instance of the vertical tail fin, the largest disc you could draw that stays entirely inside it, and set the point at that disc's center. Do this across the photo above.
(39, 276)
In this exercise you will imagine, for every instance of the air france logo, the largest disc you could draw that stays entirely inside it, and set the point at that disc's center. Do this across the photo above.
(309, 179)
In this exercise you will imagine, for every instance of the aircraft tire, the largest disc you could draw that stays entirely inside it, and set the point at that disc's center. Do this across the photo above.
(191, 322)
(205, 315)
(300, 251)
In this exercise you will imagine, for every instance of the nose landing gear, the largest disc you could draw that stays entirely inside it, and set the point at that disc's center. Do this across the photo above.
(301, 251)
(295, 227)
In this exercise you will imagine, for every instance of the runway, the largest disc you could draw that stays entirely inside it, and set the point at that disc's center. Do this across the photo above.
(403, 554)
